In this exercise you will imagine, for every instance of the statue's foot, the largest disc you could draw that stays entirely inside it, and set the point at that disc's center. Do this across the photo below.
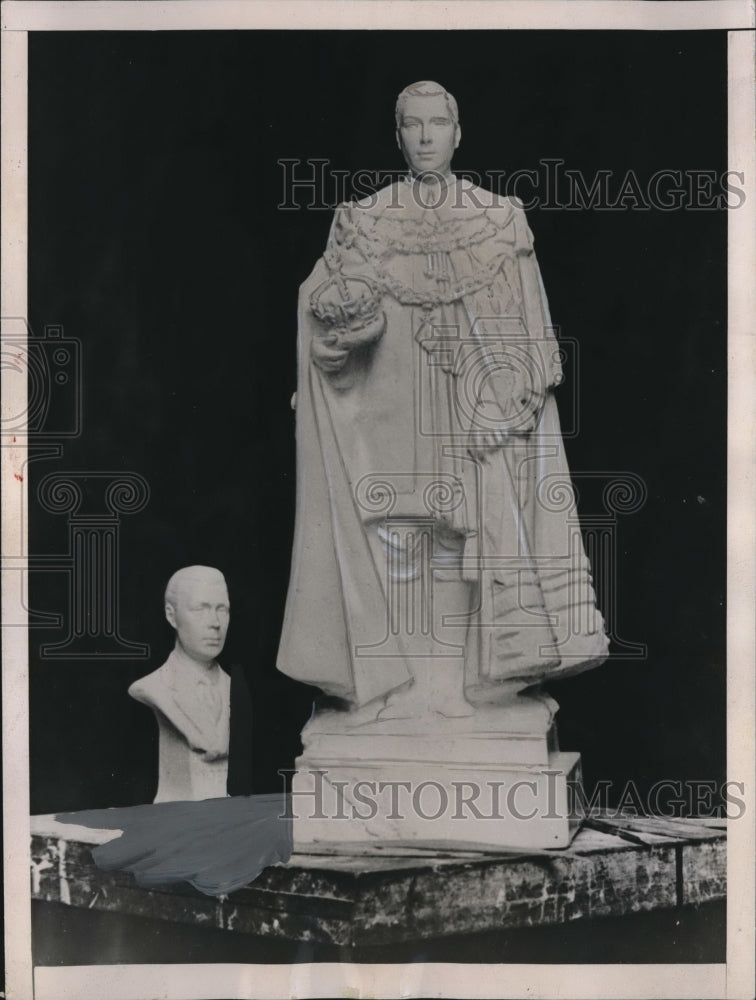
(406, 703)
(365, 715)
(416, 703)
(455, 710)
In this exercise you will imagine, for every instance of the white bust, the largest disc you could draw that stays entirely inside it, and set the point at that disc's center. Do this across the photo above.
(190, 694)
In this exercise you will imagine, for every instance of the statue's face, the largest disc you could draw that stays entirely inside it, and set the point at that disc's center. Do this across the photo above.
(427, 135)
(200, 617)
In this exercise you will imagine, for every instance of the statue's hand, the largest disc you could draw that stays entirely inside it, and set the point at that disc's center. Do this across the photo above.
(329, 353)
(510, 407)
(331, 348)
(365, 333)
(483, 443)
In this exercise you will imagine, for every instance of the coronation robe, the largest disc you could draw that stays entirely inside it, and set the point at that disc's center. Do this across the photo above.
(434, 451)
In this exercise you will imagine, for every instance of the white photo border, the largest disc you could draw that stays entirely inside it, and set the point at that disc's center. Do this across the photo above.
(202, 982)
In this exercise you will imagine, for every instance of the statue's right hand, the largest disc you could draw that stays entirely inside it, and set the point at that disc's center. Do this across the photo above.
(328, 354)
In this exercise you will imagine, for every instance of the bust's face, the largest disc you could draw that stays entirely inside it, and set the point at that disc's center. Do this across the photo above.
(200, 617)
(427, 135)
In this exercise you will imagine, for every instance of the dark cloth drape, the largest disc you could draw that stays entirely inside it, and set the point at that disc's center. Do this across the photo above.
(217, 845)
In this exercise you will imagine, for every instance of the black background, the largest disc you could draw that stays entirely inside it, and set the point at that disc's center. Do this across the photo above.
(156, 240)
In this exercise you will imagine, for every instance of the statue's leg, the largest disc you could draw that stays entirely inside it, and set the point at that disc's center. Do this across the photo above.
(428, 602)
(451, 605)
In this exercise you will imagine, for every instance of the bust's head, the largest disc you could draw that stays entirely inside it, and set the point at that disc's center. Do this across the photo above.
(197, 606)
(427, 128)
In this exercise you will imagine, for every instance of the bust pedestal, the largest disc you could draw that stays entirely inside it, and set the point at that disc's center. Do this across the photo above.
(183, 776)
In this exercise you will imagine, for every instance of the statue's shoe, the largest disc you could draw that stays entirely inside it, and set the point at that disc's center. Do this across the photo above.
(455, 710)
(416, 703)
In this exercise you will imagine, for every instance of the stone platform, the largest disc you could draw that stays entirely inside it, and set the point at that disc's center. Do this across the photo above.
(629, 865)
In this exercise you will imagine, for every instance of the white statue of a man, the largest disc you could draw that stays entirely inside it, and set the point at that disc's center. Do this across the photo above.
(190, 694)
(438, 571)
(438, 564)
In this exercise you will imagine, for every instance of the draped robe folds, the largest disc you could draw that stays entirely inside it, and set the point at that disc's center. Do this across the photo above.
(395, 438)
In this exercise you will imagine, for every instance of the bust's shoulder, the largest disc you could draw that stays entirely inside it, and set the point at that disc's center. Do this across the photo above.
(154, 688)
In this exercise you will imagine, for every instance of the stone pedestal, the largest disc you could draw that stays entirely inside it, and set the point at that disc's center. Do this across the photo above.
(471, 786)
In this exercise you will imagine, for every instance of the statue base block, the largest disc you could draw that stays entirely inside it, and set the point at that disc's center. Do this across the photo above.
(356, 805)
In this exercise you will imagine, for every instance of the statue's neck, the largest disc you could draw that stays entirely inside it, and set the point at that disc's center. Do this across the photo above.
(433, 180)
(432, 192)
(200, 666)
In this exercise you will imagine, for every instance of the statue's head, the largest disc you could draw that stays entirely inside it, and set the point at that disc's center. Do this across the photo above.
(427, 128)
(197, 606)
